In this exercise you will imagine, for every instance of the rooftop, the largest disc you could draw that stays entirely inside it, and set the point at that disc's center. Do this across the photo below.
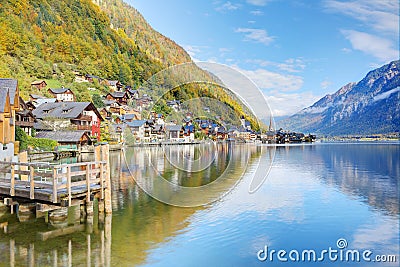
(59, 90)
(62, 136)
(11, 86)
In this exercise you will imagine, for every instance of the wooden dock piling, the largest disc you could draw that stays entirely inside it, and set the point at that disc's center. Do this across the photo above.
(60, 185)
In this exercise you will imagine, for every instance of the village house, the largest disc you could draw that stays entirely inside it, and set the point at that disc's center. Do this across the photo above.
(157, 133)
(39, 84)
(113, 106)
(114, 85)
(174, 104)
(9, 105)
(143, 102)
(105, 113)
(67, 139)
(90, 78)
(34, 97)
(75, 115)
(138, 129)
(130, 117)
(188, 132)
(133, 94)
(24, 117)
(117, 132)
(222, 133)
(62, 94)
(79, 78)
(174, 132)
(120, 97)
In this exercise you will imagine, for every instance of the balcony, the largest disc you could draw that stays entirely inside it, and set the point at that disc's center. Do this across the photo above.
(84, 127)
(84, 118)
(24, 123)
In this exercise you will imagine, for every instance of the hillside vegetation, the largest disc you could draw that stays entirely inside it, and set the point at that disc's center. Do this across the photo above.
(53, 39)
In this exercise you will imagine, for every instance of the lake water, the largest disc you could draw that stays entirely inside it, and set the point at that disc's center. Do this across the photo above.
(334, 197)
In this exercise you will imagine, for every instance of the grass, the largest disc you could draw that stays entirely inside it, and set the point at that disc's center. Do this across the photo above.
(51, 83)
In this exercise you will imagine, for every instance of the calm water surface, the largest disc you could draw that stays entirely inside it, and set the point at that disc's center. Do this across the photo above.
(313, 196)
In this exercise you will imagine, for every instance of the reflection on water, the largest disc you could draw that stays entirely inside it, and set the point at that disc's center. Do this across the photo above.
(314, 195)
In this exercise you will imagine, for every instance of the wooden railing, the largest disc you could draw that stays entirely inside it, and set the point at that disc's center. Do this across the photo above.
(53, 178)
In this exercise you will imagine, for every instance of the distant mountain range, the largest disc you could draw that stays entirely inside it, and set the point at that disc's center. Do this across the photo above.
(371, 106)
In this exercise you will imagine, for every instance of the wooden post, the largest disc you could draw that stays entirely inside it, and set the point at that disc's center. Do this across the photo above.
(32, 182)
(101, 181)
(105, 149)
(97, 153)
(31, 254)
(87, 183)
(88, 251)
(23, 157)
(69, 253)
(69, 185)
(54, 185)
(12, 252)
(12, 186)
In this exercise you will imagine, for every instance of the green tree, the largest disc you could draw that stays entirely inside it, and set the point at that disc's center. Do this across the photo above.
(22, 137)
(97, 101)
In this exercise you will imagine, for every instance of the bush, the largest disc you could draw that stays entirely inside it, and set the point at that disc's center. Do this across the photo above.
(22, 137)
(42, 143)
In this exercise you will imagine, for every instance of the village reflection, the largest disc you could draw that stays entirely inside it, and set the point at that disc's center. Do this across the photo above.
(138, 222)
(36, 242)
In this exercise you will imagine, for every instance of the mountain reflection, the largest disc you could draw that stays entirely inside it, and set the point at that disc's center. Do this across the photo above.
(369, 171)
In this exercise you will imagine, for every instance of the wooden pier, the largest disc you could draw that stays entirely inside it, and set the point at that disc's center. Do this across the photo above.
(61, 185)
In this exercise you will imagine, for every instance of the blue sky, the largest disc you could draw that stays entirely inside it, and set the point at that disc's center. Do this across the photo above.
(295, 51)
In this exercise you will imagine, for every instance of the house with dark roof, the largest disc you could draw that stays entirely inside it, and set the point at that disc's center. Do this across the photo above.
(75, 115)
(120, 97)
(9, 104)
(62, 94)
(133, 94)
(222, 133)
(39, 84)
(114, 85)
(138, 129)
(24, 117)
(117, 132)
(174, 104)
(90, 78)
(72, 139)
(33, 97)
(174, 132)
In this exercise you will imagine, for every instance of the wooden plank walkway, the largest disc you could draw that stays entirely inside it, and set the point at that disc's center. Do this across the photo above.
(53, 183)
(59, 185)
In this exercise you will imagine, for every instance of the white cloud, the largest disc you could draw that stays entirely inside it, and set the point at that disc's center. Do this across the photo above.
(325, 84)
(272, 80)
(283, 104)
(257, 35)
(257, 2)
(279, 90)
(378, 47)
(227, 6)
(346, 50)
(194, 50)
(379, 15)
(292, 65)
(257, 13)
